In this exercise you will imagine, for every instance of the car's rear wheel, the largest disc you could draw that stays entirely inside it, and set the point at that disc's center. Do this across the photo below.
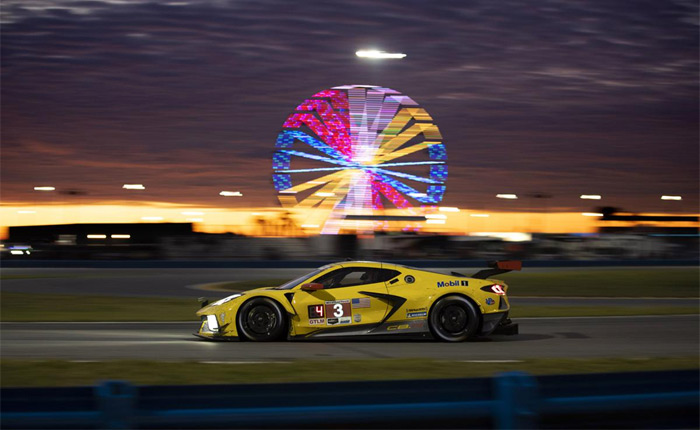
(262, 320)
(454, 319)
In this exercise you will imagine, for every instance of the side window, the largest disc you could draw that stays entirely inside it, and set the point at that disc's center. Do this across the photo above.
(387, 275)
(351, 276)
(331, 279)
(357, 277)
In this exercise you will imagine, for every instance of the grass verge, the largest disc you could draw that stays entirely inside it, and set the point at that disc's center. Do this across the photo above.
(57, 307)
(16, 373)
(632, 282)
(629, 282)
(63, 307)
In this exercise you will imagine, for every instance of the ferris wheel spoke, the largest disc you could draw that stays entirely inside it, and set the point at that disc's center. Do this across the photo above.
(315, 182)
(316, 157)
(331, 193)
(406, 189)
(408, 176)
(383, 158)
(430, 131)
(408, 163)
(388, 191)
(287, 138)
(319, 169)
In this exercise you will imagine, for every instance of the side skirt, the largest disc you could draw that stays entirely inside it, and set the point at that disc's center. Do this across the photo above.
(414, 326)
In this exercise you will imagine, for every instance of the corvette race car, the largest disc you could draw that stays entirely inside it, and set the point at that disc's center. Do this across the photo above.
(362, 298)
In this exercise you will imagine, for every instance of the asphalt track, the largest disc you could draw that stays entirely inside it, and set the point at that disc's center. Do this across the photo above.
(583, 337)
(540, 337)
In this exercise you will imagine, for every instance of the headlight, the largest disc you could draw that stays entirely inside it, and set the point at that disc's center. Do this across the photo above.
(225, 299)
(212, 323)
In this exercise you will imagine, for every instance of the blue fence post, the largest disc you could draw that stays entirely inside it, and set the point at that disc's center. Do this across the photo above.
(516, 401)
(115, 400)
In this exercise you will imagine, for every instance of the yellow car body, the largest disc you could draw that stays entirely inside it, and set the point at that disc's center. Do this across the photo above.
(359, 298)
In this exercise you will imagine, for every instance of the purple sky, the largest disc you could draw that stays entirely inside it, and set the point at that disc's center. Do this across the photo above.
(187, 97)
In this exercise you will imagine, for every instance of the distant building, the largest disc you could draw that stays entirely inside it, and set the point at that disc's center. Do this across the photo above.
(97, 241)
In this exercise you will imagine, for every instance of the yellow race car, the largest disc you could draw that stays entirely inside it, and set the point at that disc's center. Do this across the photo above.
(362, 298)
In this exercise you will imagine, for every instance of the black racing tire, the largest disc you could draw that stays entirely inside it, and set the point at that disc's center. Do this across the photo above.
(262, 320)
(454, 319)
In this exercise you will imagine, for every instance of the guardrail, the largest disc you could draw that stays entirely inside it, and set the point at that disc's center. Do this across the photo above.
(666, 399)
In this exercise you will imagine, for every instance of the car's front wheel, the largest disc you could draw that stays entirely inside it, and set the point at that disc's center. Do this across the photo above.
(454, 319)
(262, 320)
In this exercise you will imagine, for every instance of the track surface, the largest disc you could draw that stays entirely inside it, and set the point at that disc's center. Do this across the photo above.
(540, 337)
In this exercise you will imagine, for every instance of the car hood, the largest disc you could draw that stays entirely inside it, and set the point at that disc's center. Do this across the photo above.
(234, 296)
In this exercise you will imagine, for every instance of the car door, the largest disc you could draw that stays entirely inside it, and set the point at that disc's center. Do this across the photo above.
(343, 301)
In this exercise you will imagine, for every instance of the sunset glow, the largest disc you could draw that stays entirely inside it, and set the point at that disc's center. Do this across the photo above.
(250, 220)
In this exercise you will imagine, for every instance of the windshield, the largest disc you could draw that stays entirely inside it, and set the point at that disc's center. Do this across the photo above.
(293, 283)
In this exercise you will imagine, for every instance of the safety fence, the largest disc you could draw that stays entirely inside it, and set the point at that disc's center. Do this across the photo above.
(667, 399)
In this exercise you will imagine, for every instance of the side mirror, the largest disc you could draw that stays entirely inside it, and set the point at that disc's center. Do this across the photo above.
(311, 286)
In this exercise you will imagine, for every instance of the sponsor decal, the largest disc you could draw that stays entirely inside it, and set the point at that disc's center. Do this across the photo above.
(441, 284)
(409, 279)
(416, 310)
(343, 320)
(416, 314)
(317, 321)
(338, 309)
(363, 302)
(357, 317)
(398, 327)
(316, 311)
(490, 301)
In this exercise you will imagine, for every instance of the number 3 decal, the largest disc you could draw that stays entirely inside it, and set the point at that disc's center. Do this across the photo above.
(338, 310)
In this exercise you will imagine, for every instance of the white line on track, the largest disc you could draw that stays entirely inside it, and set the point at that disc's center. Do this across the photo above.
(481, 361)
(201, 362)
(605, 317)
(245, 362)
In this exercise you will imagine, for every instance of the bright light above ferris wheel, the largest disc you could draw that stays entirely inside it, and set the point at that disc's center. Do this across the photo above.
(373, 53)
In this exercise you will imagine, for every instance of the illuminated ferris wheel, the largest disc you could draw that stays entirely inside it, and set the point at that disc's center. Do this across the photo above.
(356, 149)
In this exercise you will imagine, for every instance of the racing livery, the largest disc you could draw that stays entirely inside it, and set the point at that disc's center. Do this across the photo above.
(363, 298)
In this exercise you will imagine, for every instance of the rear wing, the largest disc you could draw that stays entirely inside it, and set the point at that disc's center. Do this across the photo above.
(498, 267)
